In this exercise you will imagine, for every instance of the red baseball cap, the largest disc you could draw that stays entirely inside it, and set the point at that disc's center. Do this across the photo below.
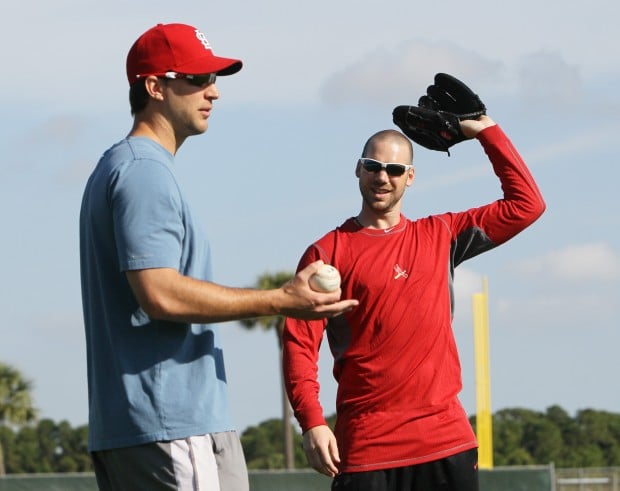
(175, 48)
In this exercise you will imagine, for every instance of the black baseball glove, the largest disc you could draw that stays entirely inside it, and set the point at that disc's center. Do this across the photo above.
(434, 122)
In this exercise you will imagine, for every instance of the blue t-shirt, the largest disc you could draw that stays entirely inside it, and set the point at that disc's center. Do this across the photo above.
(148, 380)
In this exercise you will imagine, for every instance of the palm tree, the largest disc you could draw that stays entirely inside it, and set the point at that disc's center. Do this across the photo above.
(15, 401)
(265, 282)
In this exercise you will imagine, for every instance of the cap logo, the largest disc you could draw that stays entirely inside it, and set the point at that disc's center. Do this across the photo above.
(203, 39)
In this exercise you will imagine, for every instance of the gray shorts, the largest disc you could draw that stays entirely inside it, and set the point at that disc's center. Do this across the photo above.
(212, 462)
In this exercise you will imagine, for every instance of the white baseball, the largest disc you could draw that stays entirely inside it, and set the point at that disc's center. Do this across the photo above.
(326, 279)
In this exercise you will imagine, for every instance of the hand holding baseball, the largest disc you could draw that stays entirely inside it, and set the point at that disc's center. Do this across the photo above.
(326, 279)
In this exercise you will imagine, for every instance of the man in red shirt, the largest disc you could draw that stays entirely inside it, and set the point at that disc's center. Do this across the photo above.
(400, 425)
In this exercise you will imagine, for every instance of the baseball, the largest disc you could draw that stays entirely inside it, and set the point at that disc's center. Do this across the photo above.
(326, 279)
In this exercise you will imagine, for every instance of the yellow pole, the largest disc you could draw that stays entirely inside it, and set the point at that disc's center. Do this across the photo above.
(484, 421)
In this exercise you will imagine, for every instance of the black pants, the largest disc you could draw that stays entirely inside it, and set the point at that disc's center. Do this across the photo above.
(455, 473)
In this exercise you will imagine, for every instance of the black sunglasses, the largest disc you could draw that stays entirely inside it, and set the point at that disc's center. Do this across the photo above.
(392, 169)
(196, 80)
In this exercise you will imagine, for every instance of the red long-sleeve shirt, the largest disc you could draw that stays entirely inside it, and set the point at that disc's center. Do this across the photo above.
(395, 357)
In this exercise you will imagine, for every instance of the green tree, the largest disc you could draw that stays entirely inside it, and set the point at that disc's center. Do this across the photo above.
(571, 438)
(265, 282)
(543, 440)
(72, 449)
(601, 429)
(46, 447)
(27, 452)
(262, 446)
(522, 437)
(61, 448)
(7, 443)
(16, 406)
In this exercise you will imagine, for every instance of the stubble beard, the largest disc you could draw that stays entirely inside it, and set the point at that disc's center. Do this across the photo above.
(379, 206)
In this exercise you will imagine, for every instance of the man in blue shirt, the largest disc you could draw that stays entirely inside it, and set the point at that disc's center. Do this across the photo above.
(159, 411)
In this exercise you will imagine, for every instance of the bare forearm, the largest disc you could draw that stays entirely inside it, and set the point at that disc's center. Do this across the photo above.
(167, 295)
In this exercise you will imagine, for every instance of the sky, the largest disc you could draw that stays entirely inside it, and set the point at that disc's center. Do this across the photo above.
(274, 172)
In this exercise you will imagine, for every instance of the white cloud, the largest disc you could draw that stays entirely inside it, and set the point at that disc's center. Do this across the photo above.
(466, 283)
(546, 80)
(582, 141)
(557, 310)
(543, 81)
(597, 261)
(52, 146)
(60, 129)
(394, 75)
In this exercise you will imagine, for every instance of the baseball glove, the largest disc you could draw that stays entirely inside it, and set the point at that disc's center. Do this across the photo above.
(434, 122)
(451, 95)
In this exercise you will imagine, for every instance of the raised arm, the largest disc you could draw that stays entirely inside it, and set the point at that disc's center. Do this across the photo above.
(480, 229)
(522, 203)
(471, 127)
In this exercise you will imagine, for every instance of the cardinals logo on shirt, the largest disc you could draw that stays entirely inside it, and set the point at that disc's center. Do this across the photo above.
(400, 272)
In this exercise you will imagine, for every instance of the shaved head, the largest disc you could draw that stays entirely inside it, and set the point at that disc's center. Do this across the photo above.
(389, 137)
